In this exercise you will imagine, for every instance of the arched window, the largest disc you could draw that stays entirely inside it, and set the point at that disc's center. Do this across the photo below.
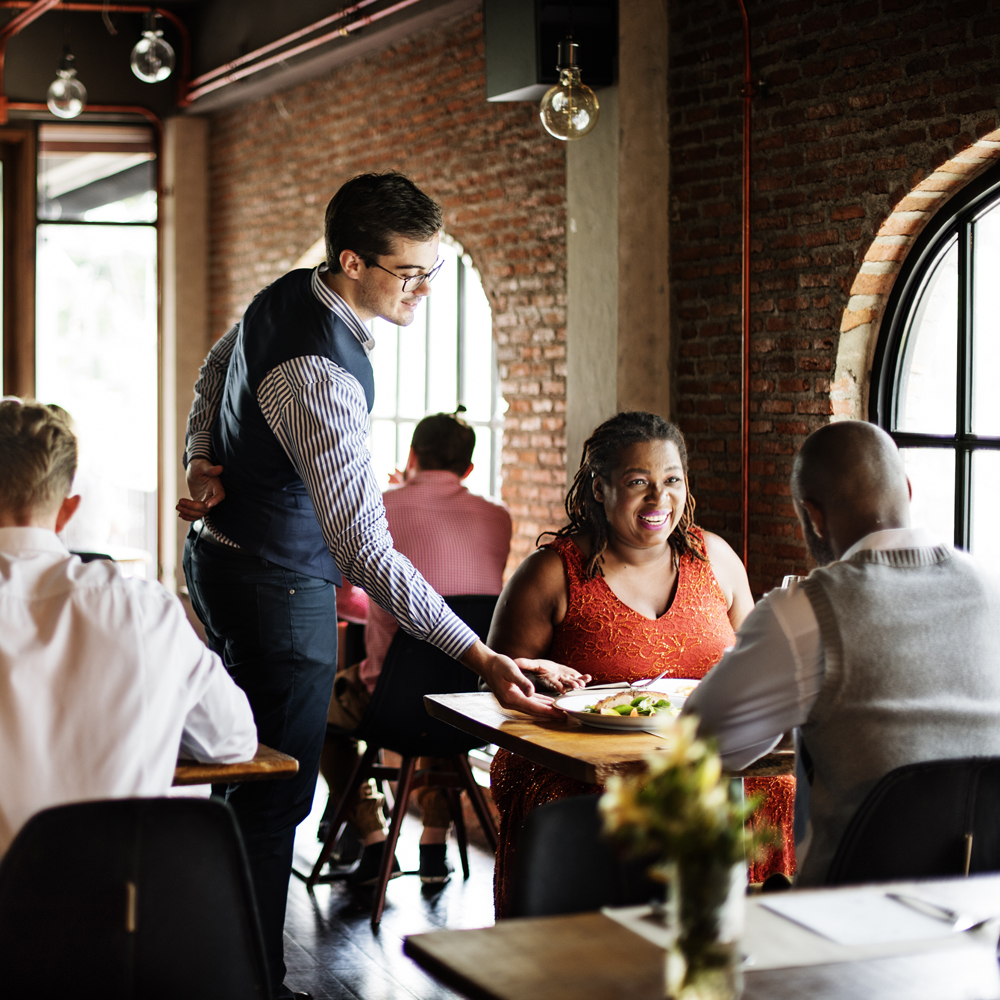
(932, 384)
(445, 357)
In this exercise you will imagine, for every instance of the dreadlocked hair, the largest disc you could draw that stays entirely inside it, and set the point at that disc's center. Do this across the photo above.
(601, 456)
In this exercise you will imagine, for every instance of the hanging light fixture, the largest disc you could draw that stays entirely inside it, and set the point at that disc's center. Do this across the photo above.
(569, 110)
(66, 96)
(152, 58)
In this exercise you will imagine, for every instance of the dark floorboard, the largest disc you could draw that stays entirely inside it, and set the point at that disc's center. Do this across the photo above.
(330, 949)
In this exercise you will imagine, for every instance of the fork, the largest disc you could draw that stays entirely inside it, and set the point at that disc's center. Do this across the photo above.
(650, 683)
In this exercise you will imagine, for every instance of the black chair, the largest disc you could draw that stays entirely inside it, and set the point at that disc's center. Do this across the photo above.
(396, 720)
(564, 865)
(130, 899)
(926, 820)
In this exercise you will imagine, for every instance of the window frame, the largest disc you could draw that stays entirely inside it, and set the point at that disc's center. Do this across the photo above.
(953, 222)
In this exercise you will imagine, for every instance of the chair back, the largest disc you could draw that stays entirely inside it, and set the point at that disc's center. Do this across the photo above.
(396, 718)
(565, 866)
(914, 823)
(130, 899)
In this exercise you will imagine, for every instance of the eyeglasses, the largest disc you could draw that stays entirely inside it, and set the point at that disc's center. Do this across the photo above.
(414, 281)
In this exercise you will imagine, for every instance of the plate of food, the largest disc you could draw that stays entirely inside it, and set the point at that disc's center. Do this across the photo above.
(627, 708)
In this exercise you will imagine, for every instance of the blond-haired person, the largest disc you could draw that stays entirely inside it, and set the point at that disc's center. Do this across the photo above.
(102, 679)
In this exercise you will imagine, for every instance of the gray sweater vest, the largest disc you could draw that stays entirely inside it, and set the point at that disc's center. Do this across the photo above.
(911, 639)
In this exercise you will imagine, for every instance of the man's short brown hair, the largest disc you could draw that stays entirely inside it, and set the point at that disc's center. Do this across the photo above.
(38, 455)
(444, 441)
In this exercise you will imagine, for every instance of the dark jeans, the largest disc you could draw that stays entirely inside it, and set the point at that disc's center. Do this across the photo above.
(276, 631)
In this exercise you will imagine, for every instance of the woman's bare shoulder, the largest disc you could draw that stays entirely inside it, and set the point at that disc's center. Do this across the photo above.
(717, 547)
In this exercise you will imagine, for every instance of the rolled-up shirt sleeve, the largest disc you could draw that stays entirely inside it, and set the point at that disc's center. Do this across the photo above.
(318, 413)
(208, 398)
(766, 684)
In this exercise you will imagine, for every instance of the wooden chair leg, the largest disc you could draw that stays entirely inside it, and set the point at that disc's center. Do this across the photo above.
(343, 807)
(478, 799)
(406, 769)
(455, 804)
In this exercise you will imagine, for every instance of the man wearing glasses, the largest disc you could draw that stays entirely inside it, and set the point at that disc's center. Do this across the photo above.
(284, 499)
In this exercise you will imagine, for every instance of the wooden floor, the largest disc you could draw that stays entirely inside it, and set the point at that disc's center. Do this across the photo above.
(330, 949)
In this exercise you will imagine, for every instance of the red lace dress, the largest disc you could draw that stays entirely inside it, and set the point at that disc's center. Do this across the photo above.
(602, 636)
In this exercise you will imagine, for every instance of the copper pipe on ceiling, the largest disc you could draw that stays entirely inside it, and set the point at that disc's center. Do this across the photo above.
(343, 32)
(117, 8)
(33, 10)
(286, 40)
(30, 13)
(748, 91)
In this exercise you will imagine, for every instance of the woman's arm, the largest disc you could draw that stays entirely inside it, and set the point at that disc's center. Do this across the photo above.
(531, 605)
(732, 577)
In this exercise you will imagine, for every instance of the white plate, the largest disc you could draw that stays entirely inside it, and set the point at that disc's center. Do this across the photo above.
(575, 702)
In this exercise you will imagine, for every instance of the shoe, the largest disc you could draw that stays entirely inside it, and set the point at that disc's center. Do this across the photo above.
(368, 867)
(434, 866)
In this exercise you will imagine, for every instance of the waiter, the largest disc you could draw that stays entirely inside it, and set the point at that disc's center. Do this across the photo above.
(284, 499)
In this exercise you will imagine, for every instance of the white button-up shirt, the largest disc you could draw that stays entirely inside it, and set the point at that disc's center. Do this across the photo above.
(767, 683)
(102, 682)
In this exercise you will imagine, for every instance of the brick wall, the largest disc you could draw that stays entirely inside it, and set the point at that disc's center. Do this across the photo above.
(418, 107)
(863, 101)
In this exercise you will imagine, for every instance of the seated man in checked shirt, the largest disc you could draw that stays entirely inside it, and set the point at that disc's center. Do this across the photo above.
(459, 541)
(102, 679)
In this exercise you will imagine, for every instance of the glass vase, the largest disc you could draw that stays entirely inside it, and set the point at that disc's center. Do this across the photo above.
(704, 916)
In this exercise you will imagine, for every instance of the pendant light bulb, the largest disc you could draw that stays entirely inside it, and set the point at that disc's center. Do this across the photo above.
(152, 58)
(569, 110)
(66, 96)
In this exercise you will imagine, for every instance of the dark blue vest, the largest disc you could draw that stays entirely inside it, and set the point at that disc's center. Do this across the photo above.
(267, 510)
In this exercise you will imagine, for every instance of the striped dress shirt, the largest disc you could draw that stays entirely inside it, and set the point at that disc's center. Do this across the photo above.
(318, 413)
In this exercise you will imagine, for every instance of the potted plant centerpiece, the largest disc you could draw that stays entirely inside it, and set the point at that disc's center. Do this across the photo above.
(682, 810)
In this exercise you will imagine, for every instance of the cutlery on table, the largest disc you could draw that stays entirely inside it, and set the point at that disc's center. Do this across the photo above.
(650, 683)
(960, 921)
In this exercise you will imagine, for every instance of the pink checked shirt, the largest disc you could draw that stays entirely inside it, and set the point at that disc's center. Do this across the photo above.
(459, 541)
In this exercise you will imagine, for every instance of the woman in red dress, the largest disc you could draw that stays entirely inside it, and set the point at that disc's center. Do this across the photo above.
(629, 588)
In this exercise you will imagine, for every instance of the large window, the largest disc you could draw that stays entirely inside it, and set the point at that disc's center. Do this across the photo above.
(96, 327)
(447, 356)
(932, 387)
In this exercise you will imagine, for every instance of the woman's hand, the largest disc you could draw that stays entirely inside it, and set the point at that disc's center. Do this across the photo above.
(553, 675)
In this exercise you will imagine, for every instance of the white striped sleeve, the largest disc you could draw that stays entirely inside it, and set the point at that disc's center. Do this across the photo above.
(208, 398)
(317, 411)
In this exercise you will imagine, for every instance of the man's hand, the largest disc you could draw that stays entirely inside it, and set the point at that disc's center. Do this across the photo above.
(510, 687)
(205, 489)
(554, 675)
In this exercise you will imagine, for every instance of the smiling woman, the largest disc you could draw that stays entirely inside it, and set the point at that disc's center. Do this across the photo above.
(629, 589)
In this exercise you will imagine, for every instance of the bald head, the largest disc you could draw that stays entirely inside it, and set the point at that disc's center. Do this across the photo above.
(848, 480)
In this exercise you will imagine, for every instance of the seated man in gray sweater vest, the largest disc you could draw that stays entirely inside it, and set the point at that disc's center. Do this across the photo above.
(887, 654)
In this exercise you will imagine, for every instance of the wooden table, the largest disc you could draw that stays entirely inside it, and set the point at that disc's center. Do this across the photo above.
(267, 764)
(588, 956)
(564, 745)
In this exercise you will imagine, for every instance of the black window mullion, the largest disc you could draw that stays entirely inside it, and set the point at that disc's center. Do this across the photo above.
(963, 416)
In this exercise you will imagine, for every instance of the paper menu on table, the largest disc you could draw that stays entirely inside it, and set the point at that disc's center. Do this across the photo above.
(850, 918)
